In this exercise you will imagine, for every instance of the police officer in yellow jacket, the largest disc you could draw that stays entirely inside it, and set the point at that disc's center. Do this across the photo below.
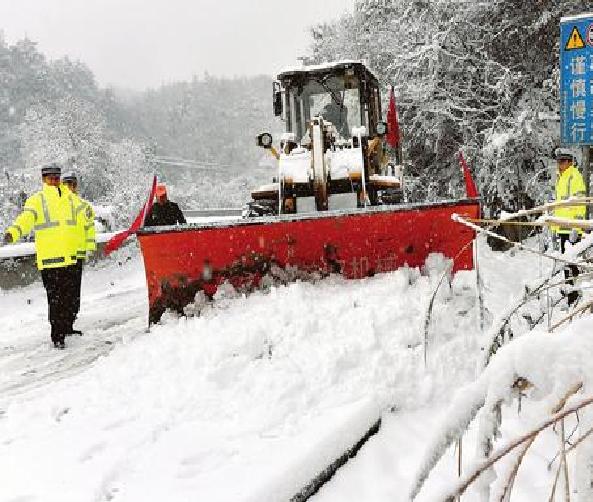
(85, 226)
(50, 213)
(569, 184)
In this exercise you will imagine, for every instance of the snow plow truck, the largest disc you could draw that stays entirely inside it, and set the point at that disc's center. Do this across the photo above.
(332, 146)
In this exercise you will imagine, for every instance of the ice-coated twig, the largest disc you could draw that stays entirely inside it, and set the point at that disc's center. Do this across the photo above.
(460, 488)
(555, 484)
(549, 221)
(497, 384)
(570, 316)
(499, 328)
(428, 315)
(580, 440)
(451, 435)
(564, 462)
(477, 228)
(495, 337)
(570, 202)
(508, 486)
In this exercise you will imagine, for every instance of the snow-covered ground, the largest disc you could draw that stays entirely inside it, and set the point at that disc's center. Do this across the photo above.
(248, 401)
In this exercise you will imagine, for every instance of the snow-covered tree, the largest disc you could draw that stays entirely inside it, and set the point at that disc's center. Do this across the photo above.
(53, 111)
(467, 74)
(72, 132)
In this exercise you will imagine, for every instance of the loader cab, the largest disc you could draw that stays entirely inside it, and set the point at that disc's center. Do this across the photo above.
(343, 93)
(333, 144)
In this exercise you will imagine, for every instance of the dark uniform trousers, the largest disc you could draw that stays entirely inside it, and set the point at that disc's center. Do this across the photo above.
(61, 288)
(569, 270)
(78, 278)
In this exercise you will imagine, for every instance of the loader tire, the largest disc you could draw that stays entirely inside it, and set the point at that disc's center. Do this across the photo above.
(390, 197)
(257, 208)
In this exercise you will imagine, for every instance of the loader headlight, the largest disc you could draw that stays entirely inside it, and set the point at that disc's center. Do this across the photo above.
(381, 128)
(264, 140)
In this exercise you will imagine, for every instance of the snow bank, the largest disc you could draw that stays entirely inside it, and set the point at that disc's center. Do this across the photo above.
(245, 402)
(552, 363)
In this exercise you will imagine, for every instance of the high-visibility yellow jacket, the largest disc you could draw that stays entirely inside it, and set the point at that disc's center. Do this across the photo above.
(51, 214)
(569, 184)
(85, 227)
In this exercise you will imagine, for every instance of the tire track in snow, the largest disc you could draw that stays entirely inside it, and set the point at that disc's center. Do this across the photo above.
(34, 363)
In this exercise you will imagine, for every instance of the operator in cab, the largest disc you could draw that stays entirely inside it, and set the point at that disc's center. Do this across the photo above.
(164, 212)
(337, 114)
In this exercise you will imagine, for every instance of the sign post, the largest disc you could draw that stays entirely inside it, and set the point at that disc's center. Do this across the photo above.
(576, 86)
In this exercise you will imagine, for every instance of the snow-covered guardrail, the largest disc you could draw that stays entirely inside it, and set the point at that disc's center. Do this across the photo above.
(28, 248)
(303, 464)
(213, 212)
(194, 216)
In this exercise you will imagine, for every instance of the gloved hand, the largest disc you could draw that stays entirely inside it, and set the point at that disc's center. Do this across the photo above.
(574, 236)
(7, 239)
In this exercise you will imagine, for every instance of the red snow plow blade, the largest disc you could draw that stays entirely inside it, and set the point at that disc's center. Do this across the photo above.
(182, 261)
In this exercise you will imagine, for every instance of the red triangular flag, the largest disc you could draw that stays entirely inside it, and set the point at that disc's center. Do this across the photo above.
(118, 239)
(470, 187)
(392, 122)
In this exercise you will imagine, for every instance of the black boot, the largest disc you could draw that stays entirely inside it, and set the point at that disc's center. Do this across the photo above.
(54, 334)
(57, 337)
(70, 328)
(573, 297)
(58, 340)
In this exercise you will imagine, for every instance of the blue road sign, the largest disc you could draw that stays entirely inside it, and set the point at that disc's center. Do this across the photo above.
(576, 80)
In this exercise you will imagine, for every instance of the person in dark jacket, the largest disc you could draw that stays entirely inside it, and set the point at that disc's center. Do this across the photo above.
(164, 212)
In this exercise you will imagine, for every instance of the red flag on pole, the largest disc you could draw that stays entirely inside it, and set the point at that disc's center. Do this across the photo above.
(393, 137)
(470, 187)
(118, 239)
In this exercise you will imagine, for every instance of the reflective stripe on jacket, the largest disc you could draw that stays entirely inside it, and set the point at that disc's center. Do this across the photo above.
(51, 214)
(569, 184)
(85, 227)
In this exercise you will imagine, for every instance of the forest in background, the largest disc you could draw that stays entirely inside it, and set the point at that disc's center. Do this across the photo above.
(54, 110)
(481, 76)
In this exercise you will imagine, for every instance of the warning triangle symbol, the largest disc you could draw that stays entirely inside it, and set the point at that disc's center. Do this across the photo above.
(575, 41)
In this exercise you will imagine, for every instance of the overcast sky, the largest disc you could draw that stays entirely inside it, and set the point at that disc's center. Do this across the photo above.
(143, 43)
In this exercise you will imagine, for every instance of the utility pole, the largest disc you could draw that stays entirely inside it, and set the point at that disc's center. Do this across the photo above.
(586, 159)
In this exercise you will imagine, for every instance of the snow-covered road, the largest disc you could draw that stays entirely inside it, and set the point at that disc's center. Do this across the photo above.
(112, 304)
(246, 402)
